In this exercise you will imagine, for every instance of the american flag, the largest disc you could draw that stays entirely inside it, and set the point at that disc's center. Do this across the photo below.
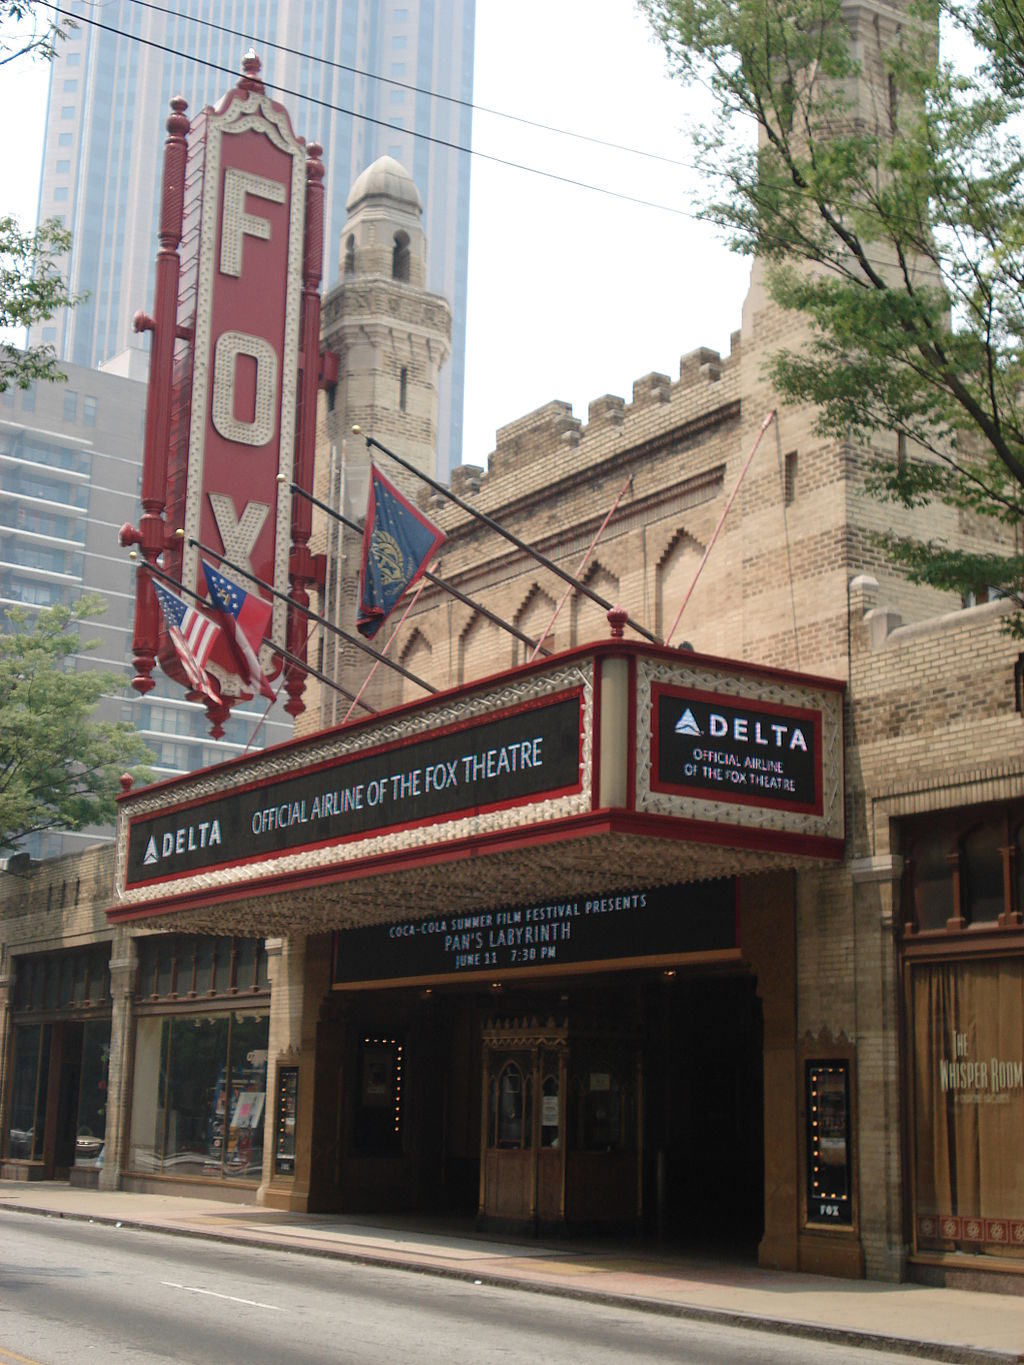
(193, 635)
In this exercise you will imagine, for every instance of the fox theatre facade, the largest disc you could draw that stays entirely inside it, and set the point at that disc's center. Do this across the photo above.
(533, 948)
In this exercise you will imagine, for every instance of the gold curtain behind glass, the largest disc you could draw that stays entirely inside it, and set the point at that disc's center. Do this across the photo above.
(967, 1046)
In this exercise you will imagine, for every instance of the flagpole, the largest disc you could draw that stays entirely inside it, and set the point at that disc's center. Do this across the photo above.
(434, 578)
(311, 615)
(725, 512)
(509, 535)
(259, 725)
(285, 654)
(582, 565)
(412, 602)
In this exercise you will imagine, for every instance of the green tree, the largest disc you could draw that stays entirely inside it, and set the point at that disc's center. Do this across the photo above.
(59, 768)
(884, 194)
(32, 288)
(30, 29)
(32, 285)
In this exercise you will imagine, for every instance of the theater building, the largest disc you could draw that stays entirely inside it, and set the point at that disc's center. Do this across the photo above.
(717, 939)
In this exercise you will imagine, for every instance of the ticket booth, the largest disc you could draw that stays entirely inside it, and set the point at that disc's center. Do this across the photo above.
(561, 1126)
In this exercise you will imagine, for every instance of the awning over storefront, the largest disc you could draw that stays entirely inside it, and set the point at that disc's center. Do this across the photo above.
(599, 768)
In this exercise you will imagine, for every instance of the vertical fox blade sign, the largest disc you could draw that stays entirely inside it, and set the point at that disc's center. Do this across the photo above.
(234, 372)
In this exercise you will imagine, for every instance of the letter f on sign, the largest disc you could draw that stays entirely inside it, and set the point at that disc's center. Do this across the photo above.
(235, 222)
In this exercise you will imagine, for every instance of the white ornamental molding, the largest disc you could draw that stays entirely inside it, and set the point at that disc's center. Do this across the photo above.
(752, 689)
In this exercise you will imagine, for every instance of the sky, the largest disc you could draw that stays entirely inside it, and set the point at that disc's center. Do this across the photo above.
(573, 292)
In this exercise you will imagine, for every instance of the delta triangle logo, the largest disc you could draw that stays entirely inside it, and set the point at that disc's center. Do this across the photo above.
(151, 855)
(687, 724)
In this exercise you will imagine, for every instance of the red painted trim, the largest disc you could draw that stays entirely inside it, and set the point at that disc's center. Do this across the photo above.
(809, 718)
(631, 737)
(595, 776)
(576, 827)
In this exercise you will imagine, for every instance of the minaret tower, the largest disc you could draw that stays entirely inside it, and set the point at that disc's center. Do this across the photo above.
(391, 336)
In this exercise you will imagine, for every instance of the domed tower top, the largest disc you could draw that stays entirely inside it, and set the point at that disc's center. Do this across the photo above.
(383, 234)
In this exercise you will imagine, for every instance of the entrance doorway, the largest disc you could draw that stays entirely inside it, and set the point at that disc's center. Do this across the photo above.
(704, 1120)
(650, 1083)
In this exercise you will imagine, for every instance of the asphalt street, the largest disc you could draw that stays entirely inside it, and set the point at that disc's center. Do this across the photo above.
(73, 1291)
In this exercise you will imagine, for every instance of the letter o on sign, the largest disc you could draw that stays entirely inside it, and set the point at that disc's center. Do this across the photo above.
(230, 345)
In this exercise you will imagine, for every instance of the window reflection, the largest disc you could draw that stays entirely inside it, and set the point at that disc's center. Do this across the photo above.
(199, 1095)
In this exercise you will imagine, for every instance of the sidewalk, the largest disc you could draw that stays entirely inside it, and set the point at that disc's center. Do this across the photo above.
(936, 1324)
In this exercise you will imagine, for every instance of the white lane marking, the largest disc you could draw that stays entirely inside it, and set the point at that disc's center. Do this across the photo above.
(212, 1293)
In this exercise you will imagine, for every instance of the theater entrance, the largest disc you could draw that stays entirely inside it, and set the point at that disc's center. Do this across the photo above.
(631, 1102)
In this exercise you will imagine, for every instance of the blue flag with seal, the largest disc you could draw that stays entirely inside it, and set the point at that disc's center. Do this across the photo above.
(398, 543)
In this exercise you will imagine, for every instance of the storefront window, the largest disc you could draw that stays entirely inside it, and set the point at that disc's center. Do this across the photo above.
(92, 1093)
(247, 1087)
(199, 1095)
(28, 1092)
(967, 1051)
(196, 1093)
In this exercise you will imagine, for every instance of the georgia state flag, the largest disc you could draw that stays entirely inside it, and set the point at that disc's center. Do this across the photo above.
(244, 617)
(398, 543)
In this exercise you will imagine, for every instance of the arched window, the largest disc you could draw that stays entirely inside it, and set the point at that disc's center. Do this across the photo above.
(400, 257)
(511, 1115)
(350, 255)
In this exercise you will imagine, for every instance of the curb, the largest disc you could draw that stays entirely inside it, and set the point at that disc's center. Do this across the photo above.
(809, 1331)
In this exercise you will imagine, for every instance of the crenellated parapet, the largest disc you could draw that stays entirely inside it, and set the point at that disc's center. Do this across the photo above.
(550, 446)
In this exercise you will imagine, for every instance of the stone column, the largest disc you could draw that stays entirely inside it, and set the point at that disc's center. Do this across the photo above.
(876, 893)
(299, 977)
(123, 974)
(768, 939)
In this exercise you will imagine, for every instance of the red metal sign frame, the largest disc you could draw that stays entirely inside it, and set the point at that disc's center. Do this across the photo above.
(234, 372)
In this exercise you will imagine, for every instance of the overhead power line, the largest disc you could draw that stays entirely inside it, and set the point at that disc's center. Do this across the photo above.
(414, 89)
(838, 259)
(432, 138)
(608, 144)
